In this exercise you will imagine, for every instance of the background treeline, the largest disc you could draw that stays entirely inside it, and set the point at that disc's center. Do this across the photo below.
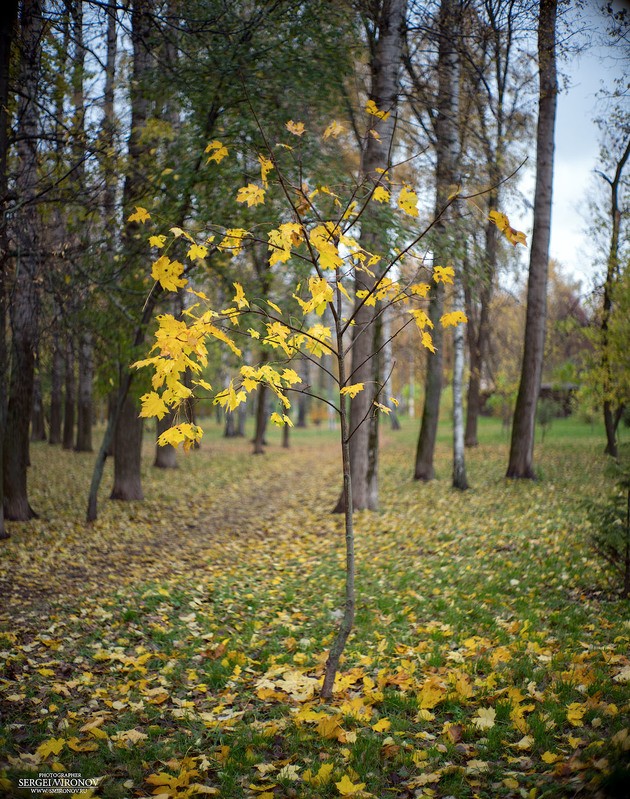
(109, 106)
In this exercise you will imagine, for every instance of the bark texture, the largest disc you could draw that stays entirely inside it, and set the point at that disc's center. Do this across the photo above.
(70, 399)
(460, 480)
(385, 64)
(56, 394)
(24, 309)
(446, 175)
(7, 32)
(85, 412)
(521, 462)
(128, 452)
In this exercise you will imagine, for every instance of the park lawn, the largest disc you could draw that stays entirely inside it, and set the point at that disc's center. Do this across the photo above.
(175, 648)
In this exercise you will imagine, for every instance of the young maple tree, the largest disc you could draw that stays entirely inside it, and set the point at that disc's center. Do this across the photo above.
(323, 232)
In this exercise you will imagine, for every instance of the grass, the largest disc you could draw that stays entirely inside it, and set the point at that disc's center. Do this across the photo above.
(175, 647)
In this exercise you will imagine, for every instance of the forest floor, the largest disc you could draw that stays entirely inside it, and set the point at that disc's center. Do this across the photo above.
(175, 648)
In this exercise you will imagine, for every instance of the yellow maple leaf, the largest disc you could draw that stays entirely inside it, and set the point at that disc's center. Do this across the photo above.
(408, 201)
(348, 788)
(453, 319)
(382, 725)
(381, 194)
(352, 390)
(239, 298)
(322, 777)
(329, 727)
(157, 241)
(443, 274)
(296, 128)
(233, 240)
(153, 405)
(197, 252)
(266, 165)
(427, 341)
(550, 757)
(139, 215)
(251, 194)
(279, 420)
(334, 129)
(484, 720)
(51, 747)
(503, 223)
(421, 318)
(168, 273)
(382, 408)
(432, 693)
(218, 151)
(372, 109)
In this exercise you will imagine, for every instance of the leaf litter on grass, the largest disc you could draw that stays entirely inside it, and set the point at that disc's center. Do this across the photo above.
(176, 648)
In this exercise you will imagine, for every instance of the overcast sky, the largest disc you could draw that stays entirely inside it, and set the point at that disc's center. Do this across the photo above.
(577, 147)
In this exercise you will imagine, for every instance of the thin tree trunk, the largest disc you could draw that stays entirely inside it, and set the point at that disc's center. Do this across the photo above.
(388, 367)
(612, 274)
(70, 398)
(447, 153)
(303, 399)
(347, 622)
(460, 480)
(85, 410)
(56, 394)
(285, 436)
(521, 463)
(479, 338)
(25, 295)
(7, 32)
(261, 418)
(385, 66)
(38, 424)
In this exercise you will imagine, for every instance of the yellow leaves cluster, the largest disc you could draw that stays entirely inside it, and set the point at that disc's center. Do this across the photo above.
(408, 201)
(139, 215)
(251, 194)
(217, 152)
(296, 128)
(372, 109)
(168, 273)
(282, 239)
(503, 223)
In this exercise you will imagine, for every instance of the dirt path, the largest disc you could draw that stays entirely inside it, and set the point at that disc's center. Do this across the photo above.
(49, 564)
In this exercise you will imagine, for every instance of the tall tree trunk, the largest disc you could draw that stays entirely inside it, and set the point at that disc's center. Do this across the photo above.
(478, 339)
(56, 394)
(521, 463)
(385, 62)
(303, 399)
(460, 480)
(446, 175)
(7, 31)
(127, 477)
(24, 307)
(70, 397)
(611, 418)
(85, 411)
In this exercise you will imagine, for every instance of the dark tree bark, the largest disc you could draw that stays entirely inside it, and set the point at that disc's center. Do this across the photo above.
(127, 477)
(521, 463)
(447, 153)
(56, 394)
(261, 416)
(38, 424)
(7, 31)
(85, 411)
(612, 415)
(128, 449)
(385, 62)
(70, 398)
(24, 309)
(285, 436)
